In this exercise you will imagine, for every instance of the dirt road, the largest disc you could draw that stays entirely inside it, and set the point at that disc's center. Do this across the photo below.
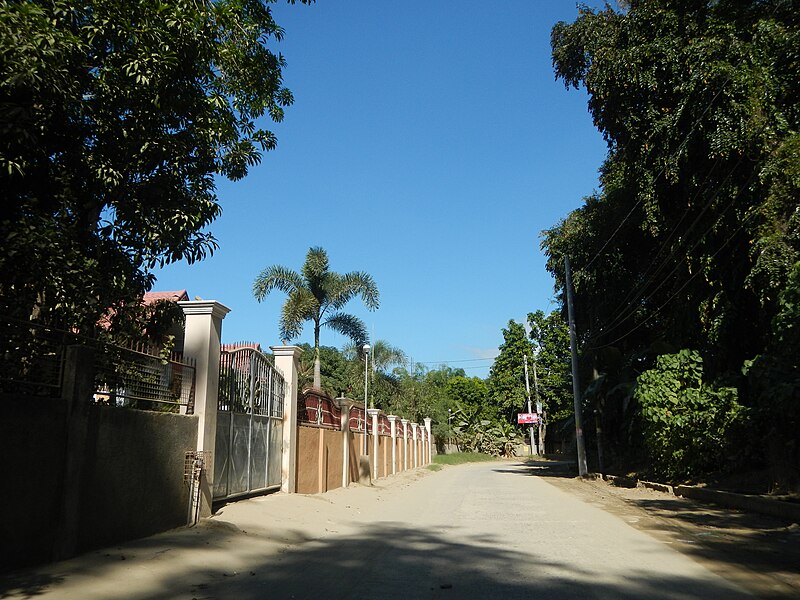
(487, 530)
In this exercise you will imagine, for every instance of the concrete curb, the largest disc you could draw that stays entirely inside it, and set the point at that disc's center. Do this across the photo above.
(758, 504)
(659, 487)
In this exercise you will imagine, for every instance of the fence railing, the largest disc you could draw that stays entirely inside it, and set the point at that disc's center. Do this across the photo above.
(319, 410)
(139, 376)
(130, 378)
(249, 381)
(316, 409)
(32, 358)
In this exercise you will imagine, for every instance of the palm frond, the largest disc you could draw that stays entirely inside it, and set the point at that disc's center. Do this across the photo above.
(385, 355)
(348, 325)
(315, 265)
(276, 277)
(355, 283)
(299, 307)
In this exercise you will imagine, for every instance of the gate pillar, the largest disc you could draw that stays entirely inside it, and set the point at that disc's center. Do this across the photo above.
(344, 405)
(373, 414)
(287, 360)
(202, 343)
(393, 425)
(429, 449)
(414, 431)
(404, 422)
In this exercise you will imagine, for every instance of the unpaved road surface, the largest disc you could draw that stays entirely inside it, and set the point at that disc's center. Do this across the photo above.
(486, 530)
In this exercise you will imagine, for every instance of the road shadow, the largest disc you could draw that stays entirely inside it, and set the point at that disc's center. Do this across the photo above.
(540, 468)
(760, 543)
(384, 560)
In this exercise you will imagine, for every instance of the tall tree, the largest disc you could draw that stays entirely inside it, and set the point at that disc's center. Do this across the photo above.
(550, 337)
(318, 294)
(383, 382)
(115, 118)
(506, 377)
(695, 230)
(691, 241)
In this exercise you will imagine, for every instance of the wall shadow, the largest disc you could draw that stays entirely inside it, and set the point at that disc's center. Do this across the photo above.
(385, 560)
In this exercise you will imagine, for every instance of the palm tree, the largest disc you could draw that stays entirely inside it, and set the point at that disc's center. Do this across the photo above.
(318, 294)
(383, 355)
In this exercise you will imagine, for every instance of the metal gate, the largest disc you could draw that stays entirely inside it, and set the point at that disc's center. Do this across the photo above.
(249, 424)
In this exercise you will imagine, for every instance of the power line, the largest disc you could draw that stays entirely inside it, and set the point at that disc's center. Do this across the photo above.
(624, 313)
(679, 290)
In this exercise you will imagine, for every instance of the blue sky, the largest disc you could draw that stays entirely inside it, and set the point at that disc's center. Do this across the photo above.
(429, 145)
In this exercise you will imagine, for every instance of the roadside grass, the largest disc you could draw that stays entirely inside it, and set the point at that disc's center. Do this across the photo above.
(459, 458)
(435, 467)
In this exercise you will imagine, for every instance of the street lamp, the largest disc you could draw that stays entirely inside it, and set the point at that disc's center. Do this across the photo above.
(365, 348)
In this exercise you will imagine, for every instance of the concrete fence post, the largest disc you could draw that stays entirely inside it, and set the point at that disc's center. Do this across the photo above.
(414, 432)
(373, 413)
(202, 343)
(393, 425)
(405, 443)
(428, 422)
(76, 391)
(344, 420)
(287, 361)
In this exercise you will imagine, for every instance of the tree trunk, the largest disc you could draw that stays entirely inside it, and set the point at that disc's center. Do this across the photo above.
(317, 367)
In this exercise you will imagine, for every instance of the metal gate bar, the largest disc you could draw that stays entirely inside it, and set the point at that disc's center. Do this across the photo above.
(249, 425)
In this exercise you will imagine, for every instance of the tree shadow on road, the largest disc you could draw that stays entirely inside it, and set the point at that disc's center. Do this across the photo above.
(759, 543)
(383, 560)
(540, 468)
(394, 561)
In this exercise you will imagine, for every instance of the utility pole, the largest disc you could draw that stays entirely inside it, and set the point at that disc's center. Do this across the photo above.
(576, 388)
(528, 392)
(539, 410)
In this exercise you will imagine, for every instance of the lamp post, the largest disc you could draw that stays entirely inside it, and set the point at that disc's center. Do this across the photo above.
(365, 348)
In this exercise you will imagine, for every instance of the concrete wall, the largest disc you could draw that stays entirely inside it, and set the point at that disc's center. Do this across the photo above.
(130, 482)
(320, 445)
(319, 459)
(133, 475)
(32, 442)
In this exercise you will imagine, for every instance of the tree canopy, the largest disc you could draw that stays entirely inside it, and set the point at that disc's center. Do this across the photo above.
(506, 381)
(115, 118)
(692, 239)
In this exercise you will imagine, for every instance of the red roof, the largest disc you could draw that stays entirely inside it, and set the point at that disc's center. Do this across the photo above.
(177, 296)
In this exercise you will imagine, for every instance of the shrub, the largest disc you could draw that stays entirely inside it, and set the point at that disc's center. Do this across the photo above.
(688, 425)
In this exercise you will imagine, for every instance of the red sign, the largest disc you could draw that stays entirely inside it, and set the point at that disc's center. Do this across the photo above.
(523, 418)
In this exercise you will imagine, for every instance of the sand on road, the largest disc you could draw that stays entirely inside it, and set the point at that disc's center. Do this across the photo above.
(485, 530)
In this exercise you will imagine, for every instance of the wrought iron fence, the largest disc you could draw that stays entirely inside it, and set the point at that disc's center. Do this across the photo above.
(32, 358)
(248, 380)
(135, 379)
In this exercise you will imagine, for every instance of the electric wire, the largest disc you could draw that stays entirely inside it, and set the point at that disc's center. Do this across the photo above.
(686, 283)
(624, 314)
